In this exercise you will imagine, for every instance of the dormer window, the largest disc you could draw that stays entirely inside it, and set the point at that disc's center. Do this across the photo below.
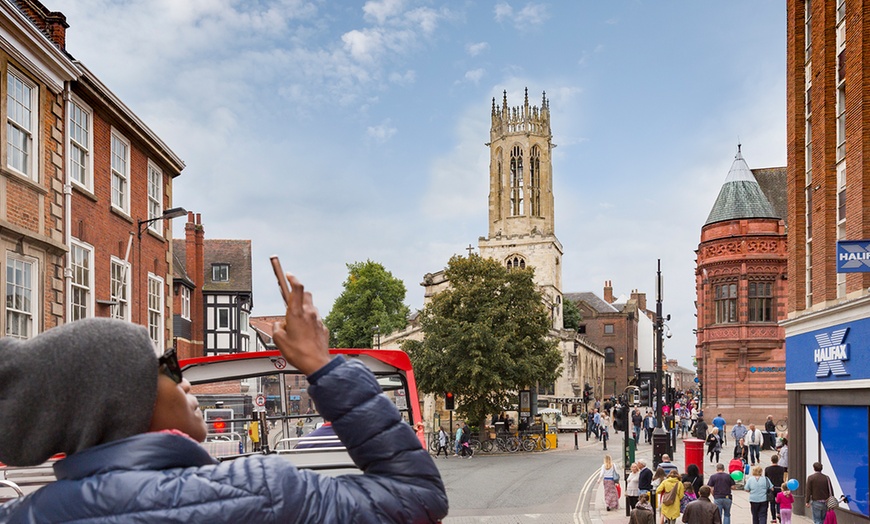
(220, 272)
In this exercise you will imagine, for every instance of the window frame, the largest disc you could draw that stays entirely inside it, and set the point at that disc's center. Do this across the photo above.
(156, 294)
(725, 306)
(30, 164)
(123, 302)
(86, 148)
(214, 272)
(88, 287)
(33, 313)
(124, 206)
(185, 302)
(762, 303)
(155, 197)
(609, 329)
(217, 319)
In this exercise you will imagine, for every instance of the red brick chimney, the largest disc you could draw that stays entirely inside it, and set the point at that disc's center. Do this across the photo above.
(608, 292)
(51, 23)
(194, 260)
(640, 298)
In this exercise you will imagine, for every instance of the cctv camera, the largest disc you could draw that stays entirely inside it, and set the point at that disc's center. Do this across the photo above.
(669, 335)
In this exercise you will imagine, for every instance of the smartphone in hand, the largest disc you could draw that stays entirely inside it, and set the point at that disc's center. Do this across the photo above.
(282, 278)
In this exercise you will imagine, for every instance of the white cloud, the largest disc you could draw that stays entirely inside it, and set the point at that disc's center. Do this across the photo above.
(406, 78)
(476, 48)
(364, 46)
(530, 15)
(381, 132)
(474, 75)
(380, 11)
(503, 11)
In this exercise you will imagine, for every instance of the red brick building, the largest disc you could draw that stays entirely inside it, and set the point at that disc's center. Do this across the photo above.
(86, 190)
(741, 296)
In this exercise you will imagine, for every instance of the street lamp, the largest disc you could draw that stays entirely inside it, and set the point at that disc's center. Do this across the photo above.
(377, 332)
(174, 212)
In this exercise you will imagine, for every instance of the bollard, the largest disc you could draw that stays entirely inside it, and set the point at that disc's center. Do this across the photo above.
(575, 440)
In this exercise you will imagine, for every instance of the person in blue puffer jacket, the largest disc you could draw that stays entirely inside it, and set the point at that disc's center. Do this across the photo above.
(130, 426)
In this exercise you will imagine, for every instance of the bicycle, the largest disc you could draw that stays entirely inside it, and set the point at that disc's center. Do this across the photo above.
(506, 443)
(782, 424)
(535, 441)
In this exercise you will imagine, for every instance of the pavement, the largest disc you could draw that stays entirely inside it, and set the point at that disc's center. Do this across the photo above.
(597, 514)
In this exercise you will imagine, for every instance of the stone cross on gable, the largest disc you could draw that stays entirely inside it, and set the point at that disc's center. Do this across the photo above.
(469, 249)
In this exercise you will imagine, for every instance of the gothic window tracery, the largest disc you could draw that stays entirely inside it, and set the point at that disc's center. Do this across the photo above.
(516, 175)
(725, 299)
(761, 301)
(535, 181)
(516, 262)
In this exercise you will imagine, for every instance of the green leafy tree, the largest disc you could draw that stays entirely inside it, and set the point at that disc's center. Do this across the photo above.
(485, 337)
(372, 297)
(571, 316)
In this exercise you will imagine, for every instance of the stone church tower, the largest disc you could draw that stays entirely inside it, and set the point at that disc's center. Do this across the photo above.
(521, 217)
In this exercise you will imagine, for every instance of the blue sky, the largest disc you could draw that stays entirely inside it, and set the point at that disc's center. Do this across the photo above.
(333, 132)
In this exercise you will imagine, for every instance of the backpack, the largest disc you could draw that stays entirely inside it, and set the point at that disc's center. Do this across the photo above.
(669, 497)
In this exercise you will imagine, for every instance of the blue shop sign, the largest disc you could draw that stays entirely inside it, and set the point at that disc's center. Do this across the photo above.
(853, 256)
(834, 354)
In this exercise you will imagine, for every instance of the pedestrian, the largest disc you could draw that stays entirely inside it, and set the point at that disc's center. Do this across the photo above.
(643, 513)
(130, 430)
(714, 445)
(605, 429)
(754, 438)
(702, 510)
(609, 478)
(693, 418)
(649, 424)
(817, 490)
(688, 495)
(465, 442)
(693, 476)
(670, 509)
(596, 423)
(636, 422)
(721, 484)
(457, 440)
(785, 500)
(770, 433)
(741, 451)
(757, 485)
(701, 428)
(720, 423)
(783, 457)
(632, 486)
(299, 428)
(658, 477)
(776, 474)
(644, 477)
(442, 442)
(667, 465)
(738, 431)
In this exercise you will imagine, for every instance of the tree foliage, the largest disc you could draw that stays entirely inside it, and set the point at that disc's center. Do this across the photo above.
(372, 297)
(485, 337)
(571, 315)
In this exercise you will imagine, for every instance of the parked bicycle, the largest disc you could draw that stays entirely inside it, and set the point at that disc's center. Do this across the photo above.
(532, 441)
(505, 443)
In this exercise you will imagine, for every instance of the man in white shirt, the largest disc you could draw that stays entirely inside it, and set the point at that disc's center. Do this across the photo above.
(754, 439)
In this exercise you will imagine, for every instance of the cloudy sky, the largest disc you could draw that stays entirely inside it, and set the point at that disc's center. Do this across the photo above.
(331, 132)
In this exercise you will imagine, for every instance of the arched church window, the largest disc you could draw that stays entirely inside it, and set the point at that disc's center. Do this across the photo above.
(535, 181)
(516, 262)
(609, 356)
(516, 181)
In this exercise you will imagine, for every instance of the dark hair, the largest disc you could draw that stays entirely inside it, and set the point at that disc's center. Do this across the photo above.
(693, 471)
(774, 459)
(817, 466)
(704, 491)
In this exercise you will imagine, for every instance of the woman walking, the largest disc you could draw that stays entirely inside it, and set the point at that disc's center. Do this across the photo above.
(757, 486)
(693, 475)
(609, 478)
(442, 442)
(632, 491)
(671, 492)
(657, 479)
(714, 445)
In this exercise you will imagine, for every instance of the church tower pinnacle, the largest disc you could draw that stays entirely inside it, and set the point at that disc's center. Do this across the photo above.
(521, 215)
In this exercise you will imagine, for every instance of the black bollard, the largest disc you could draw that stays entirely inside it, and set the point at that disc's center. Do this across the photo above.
(575, 440)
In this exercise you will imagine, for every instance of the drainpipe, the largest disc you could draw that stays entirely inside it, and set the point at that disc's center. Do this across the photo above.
(67, 203)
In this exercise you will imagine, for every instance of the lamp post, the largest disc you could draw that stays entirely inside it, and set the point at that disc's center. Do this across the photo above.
(168, 214)
(377, 331)
(661, 443)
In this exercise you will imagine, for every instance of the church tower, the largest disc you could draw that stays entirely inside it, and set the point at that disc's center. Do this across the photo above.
(521, 216)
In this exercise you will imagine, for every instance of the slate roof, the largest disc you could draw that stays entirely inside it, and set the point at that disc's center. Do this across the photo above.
(236, 253)
(598, 304)
(741, 196)
(774, 183)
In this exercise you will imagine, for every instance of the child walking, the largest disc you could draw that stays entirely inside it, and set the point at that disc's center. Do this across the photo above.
(785, 500)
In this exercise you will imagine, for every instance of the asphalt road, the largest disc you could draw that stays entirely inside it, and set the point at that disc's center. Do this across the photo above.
(541, 487)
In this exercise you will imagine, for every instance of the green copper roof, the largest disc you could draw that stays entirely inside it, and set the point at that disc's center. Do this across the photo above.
(740, 196)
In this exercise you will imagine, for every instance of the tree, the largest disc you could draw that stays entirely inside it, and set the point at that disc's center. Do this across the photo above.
(571, 315)
(485, 337)
(372, 297)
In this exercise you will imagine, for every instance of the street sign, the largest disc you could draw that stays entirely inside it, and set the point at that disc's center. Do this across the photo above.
(260, 401)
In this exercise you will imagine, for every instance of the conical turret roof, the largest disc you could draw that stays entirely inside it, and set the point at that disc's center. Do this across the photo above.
(740, 196)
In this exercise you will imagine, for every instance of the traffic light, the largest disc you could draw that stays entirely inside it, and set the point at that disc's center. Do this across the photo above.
(587, 392)
(219, 420)
(449, 401)
(620, 418)
(645, 392)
